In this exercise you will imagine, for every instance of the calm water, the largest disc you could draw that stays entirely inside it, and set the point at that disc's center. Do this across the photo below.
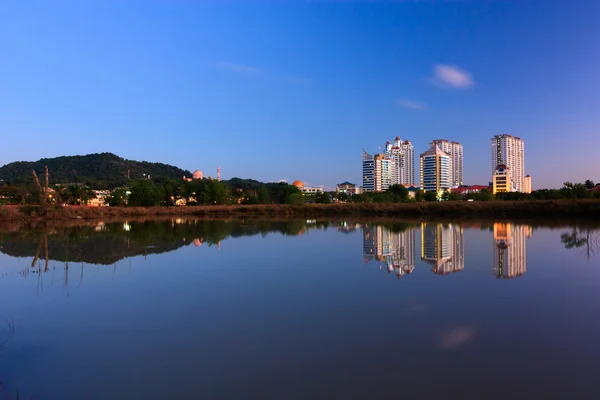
(298, 310)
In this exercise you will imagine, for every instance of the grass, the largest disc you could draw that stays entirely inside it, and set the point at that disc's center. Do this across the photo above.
(548, 209)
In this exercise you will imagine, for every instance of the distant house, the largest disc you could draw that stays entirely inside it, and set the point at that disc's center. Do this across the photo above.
(596, 188)
(347, 188)
(99, 201)
(412, 190)
(464, 189)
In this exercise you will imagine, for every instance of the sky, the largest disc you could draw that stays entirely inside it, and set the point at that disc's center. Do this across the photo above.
(286, 90)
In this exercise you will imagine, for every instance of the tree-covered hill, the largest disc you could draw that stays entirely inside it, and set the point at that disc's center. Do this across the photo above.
(99, 170)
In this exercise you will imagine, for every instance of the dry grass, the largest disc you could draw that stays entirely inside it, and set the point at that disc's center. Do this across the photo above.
(554, 209)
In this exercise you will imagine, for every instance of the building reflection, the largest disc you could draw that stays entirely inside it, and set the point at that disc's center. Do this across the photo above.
(510, 249)
(395, 249)
(442, 246)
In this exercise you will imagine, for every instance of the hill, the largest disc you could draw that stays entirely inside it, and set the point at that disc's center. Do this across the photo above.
(99, 170)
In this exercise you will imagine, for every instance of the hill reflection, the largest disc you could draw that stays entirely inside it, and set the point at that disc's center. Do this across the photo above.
(106, 243)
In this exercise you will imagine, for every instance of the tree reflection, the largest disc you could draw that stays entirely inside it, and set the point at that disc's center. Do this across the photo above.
(106, 243)
(586, 239)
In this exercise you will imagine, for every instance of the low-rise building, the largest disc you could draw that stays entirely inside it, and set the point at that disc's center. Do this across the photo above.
(502, 182)
(465, 189)
(527, 184)
(99, 200)
(347, 188)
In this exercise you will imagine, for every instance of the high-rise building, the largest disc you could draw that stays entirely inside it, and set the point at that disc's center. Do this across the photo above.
(368, 170)
(407, 172)
(527, 184)
(510, 151)
(442, 246)
(455, 151)
(510, 250)
(377, 172)
(502, 181)
(435, 170)
(403, 155)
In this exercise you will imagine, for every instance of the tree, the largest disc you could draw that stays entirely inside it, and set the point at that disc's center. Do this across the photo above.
(430, 196)
(454, 196)
(323, 198)
(485, 195)
(589, 183)
(218, 193)
(420, 195)
(117, 198)
(575, 191)
(398, 193)
(263, 196)
(295, 199)
(144, 193)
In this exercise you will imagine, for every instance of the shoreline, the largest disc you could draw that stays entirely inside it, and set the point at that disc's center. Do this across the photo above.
(588, 209)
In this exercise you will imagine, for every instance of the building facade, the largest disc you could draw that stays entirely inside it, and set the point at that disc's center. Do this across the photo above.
(347, 188)
(527, 184)
(378, 172)
(502, 181)
(402, 153)
(455, 151)
(435, 170)
(510, 151)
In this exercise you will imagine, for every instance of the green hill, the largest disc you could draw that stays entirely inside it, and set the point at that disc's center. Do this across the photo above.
(100, 170)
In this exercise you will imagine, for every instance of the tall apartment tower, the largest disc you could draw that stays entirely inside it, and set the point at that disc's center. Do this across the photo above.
(510, 151)
(407, 174)
(377, 172)
(403, 156)
(435, 170)
(455, 150)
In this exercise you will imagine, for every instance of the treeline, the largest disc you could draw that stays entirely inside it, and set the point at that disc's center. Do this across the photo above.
(146, 193)
(398, 193)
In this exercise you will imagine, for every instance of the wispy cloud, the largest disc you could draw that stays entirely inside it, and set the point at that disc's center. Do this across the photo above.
(452, 76)
(413, 105)
(238, 68)
(457, 337)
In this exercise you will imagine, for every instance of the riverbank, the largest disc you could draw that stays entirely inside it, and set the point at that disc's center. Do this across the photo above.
(547, 209)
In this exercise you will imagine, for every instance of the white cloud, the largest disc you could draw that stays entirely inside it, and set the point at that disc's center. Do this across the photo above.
(239, 68)
(452, 76)
(413, 105)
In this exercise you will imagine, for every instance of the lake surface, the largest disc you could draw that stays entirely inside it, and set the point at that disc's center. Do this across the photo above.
(299, 310)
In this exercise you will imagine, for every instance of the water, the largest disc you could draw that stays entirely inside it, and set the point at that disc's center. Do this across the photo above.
(303, 309)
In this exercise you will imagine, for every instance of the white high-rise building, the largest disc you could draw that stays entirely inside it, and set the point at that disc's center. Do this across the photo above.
(378, 172)
(407, 172)
(455, 150)
(403, 156)
(510, 151)
(435, 170)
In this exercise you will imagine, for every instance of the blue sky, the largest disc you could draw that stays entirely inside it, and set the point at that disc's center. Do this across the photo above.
(291, 90)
